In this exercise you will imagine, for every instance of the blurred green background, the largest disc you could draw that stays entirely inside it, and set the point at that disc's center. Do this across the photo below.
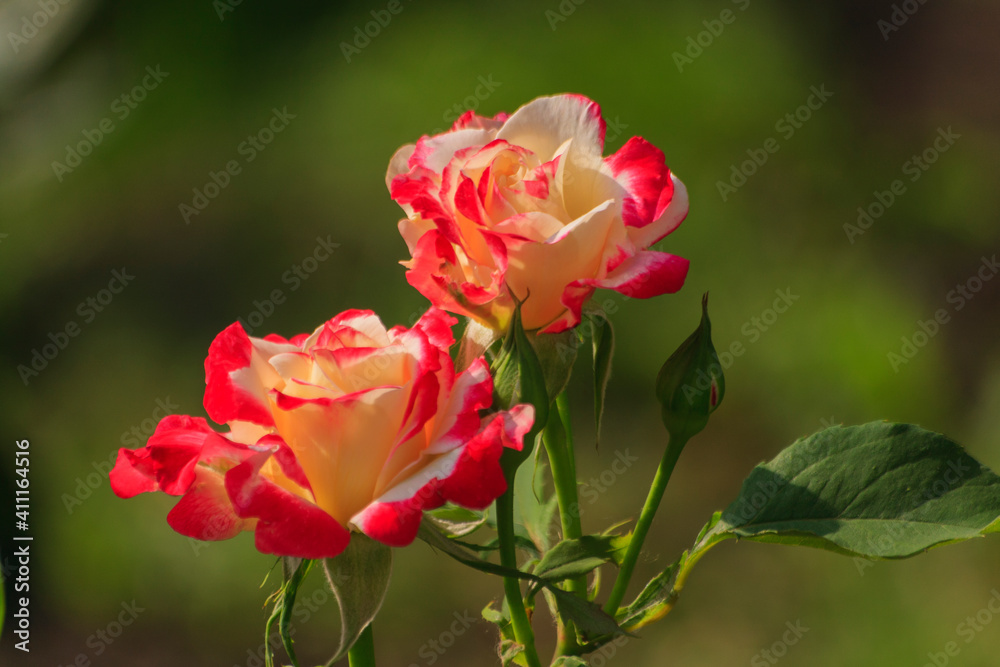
(226, 66)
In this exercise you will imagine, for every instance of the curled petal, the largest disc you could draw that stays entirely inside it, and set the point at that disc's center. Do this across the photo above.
(469, 120)
(134, 473)
(544, 124)
(288, 525)
(566, 257)
(470, 476)
(640, 168)
(435, 152)
(205, 512)
(641, 276)
(238, 376)
(459, 420)
(671, 209)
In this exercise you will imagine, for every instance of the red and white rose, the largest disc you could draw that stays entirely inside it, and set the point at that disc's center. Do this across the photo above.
(353, 427)
(525, 207)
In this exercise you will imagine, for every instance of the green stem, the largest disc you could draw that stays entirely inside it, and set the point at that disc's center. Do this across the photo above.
(563, 465)
(362, 654)
(663, 472)
(523, 633)
(558, 441)
(562, 405)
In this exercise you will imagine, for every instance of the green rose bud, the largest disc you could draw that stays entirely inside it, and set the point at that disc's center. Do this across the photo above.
(691, 385)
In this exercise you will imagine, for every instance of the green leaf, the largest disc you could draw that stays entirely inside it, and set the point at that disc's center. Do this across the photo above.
(556, 355)
(587, 616)
(293, 571)
(573, 558)
(457, 521)
(879, 490)
(594, 589)
(569, 661)
(658, 596)
(518, 378)
(520, 541)
(603, 338)
(512, 653)
(589, 619)
(537, 508)
(499, 617)
(653, 602)
(430, 534)
(359, 579)
(509, 650)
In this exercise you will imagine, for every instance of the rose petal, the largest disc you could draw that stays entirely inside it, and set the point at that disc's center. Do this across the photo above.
(642, 276)
(671, 209)
(134, 473)
(544, 124)
(538, 273)
(470, 476)
(342, 444)
(640, 168)
(458, 420)
(288, 524)
(435, 152)
(238, 378)
(205, 512)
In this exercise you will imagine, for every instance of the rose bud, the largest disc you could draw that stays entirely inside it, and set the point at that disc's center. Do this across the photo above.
(691, 384)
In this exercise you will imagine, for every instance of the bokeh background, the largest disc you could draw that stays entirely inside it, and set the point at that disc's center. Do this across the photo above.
(228, 65)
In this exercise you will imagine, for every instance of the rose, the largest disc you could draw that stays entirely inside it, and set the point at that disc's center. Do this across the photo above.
(351, 427)
(524, 208)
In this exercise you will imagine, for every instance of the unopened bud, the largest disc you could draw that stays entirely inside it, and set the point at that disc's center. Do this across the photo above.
(691, 385)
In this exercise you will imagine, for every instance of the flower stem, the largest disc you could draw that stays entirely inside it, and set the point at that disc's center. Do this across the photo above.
(562, 405)
(663, 472)
(362, 654)
(558, 441)
(523, 633)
